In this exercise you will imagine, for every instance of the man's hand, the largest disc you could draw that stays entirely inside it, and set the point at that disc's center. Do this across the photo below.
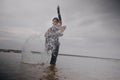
(58, 9)
(62, 28)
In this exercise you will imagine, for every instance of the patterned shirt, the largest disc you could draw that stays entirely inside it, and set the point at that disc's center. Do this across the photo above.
(52, 37)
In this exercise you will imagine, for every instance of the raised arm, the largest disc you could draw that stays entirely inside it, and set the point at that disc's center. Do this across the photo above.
(59, 15)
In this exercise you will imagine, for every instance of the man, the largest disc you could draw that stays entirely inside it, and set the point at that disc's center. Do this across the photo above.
(52, 37)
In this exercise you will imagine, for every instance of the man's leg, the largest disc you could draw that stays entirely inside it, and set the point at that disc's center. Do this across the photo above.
(54, 55)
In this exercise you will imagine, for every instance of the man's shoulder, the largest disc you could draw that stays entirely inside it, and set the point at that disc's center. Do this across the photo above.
(50, 28)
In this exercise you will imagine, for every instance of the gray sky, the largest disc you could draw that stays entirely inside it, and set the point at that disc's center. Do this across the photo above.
(93, 23)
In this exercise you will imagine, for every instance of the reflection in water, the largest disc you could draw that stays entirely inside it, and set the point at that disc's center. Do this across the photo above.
(67, 68)
(38, 72)
(51, 73)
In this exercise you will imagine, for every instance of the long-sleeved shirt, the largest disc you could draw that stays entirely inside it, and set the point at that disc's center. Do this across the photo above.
(52, 37)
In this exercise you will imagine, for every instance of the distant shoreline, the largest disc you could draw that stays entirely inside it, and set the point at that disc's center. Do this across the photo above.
(10, 50)
(20, 51)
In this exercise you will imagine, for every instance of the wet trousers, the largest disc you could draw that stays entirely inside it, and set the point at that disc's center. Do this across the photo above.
(54, 55)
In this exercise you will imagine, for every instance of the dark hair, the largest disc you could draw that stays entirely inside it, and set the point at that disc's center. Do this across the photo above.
(55, 18)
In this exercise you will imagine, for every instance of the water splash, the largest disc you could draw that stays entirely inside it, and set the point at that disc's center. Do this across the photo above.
(33, 50)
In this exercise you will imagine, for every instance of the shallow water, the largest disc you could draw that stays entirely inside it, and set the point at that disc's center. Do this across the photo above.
(68, 68)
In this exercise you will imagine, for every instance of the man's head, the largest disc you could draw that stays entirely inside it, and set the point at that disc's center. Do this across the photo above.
(55, 21)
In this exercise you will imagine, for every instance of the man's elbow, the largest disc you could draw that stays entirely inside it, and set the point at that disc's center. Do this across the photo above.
(60, 35)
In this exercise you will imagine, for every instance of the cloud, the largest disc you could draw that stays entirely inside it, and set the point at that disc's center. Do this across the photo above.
(26, 13)
(16, 32)
(93, 23)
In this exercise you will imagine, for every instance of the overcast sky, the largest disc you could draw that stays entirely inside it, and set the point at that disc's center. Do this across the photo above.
(92, 24)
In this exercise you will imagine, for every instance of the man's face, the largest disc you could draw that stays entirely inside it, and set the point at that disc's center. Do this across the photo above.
(55, 22)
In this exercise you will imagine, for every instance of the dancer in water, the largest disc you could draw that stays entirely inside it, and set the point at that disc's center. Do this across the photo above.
(52, 37)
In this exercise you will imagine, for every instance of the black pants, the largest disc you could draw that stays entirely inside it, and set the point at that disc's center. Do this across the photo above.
(54, 55)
